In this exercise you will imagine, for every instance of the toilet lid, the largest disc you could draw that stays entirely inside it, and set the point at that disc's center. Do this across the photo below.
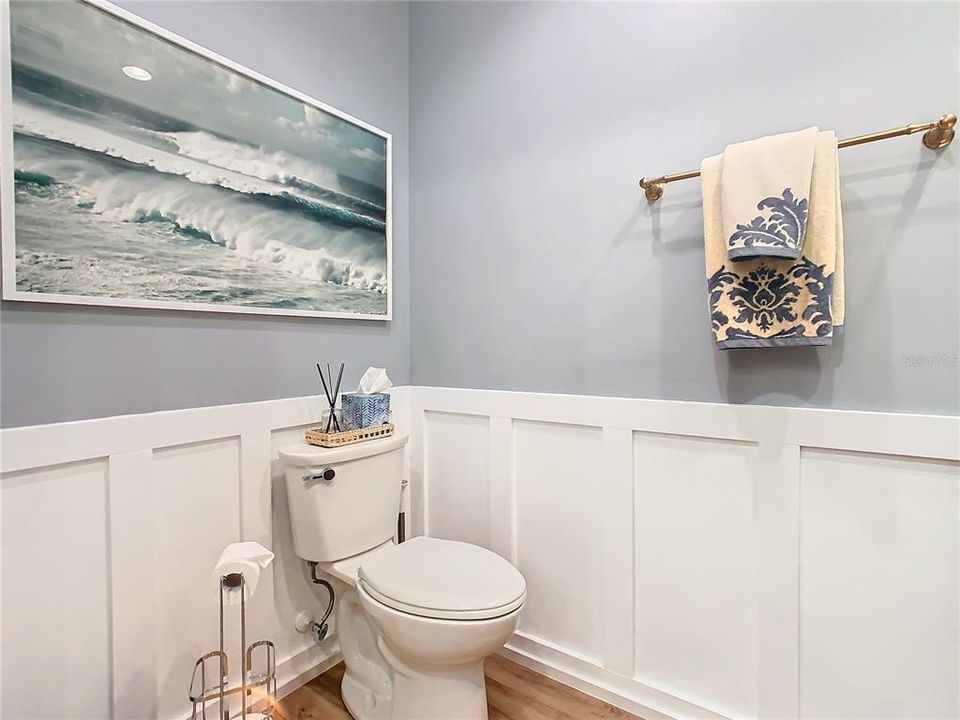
(443, 579)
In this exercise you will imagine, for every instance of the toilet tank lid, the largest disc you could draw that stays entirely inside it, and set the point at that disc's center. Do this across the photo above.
(443, 578)
(304, 455)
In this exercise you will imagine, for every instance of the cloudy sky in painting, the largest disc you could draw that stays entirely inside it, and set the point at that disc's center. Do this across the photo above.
(89, 47)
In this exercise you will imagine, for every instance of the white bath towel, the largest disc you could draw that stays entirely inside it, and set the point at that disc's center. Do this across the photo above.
(775, 302)
(765, 194)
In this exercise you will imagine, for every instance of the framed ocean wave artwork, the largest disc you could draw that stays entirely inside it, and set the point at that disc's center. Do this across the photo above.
(141, 170)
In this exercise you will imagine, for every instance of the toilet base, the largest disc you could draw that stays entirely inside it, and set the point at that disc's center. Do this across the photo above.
(455, 692)
(360, 704)
(366, 685)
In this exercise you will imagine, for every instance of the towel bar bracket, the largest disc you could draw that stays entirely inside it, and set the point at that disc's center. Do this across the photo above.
(938, 134)
(941, 134)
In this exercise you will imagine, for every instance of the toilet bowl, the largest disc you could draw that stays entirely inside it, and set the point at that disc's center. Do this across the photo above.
(437, 665)
(418, 618)
(434, 610)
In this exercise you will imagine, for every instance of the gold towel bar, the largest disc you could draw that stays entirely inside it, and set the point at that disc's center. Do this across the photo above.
(938, 135)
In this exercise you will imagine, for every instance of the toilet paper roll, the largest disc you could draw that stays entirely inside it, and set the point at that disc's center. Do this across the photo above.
(248, 558)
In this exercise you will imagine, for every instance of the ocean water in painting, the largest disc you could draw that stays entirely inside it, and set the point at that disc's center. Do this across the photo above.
(197, 186)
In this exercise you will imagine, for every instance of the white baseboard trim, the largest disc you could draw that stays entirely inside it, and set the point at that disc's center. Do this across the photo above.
(296, 671)
(622, 692)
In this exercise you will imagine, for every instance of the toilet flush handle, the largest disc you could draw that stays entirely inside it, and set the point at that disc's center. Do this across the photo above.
(326, 475)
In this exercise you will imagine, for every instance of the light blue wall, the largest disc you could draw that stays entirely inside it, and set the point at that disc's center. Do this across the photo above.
(66, 363)
(536, 263)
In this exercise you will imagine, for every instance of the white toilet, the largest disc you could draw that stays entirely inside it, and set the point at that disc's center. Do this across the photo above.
(418, 618)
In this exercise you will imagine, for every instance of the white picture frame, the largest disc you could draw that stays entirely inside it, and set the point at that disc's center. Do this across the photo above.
(7, 189)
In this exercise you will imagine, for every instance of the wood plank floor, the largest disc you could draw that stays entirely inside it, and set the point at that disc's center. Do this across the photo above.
(513, 693)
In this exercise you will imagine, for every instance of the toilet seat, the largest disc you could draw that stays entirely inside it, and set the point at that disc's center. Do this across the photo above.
(443, 579)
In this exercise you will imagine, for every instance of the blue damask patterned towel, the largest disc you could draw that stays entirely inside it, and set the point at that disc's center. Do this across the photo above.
(778, 301)
(765, 191)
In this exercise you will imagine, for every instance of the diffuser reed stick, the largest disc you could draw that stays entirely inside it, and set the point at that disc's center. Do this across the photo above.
(328, 386)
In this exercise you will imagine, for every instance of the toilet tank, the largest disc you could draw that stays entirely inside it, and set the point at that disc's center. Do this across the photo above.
(344, 500)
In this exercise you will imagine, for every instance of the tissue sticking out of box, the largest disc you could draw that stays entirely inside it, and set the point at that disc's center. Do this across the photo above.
(374, 380)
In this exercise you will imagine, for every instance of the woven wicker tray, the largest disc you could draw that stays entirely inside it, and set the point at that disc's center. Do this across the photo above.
(316, 436)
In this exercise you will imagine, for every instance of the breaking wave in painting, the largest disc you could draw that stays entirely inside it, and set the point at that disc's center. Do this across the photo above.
(136, 205)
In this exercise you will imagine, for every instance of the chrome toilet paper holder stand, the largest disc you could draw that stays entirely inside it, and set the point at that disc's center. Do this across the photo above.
(219, 691)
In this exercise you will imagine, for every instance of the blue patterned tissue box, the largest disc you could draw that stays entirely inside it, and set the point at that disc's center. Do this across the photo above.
(363, 411)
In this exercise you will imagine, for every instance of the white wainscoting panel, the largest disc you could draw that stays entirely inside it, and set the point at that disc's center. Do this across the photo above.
(683, 560)
(695, 571)
(879, 578)
(110, 531)
(55, 593)
(458, 451)
(695, 560)
(196, 513)
(559, 534)
(135, 616)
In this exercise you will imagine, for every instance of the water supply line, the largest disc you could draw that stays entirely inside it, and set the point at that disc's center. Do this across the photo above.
(321, 628)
